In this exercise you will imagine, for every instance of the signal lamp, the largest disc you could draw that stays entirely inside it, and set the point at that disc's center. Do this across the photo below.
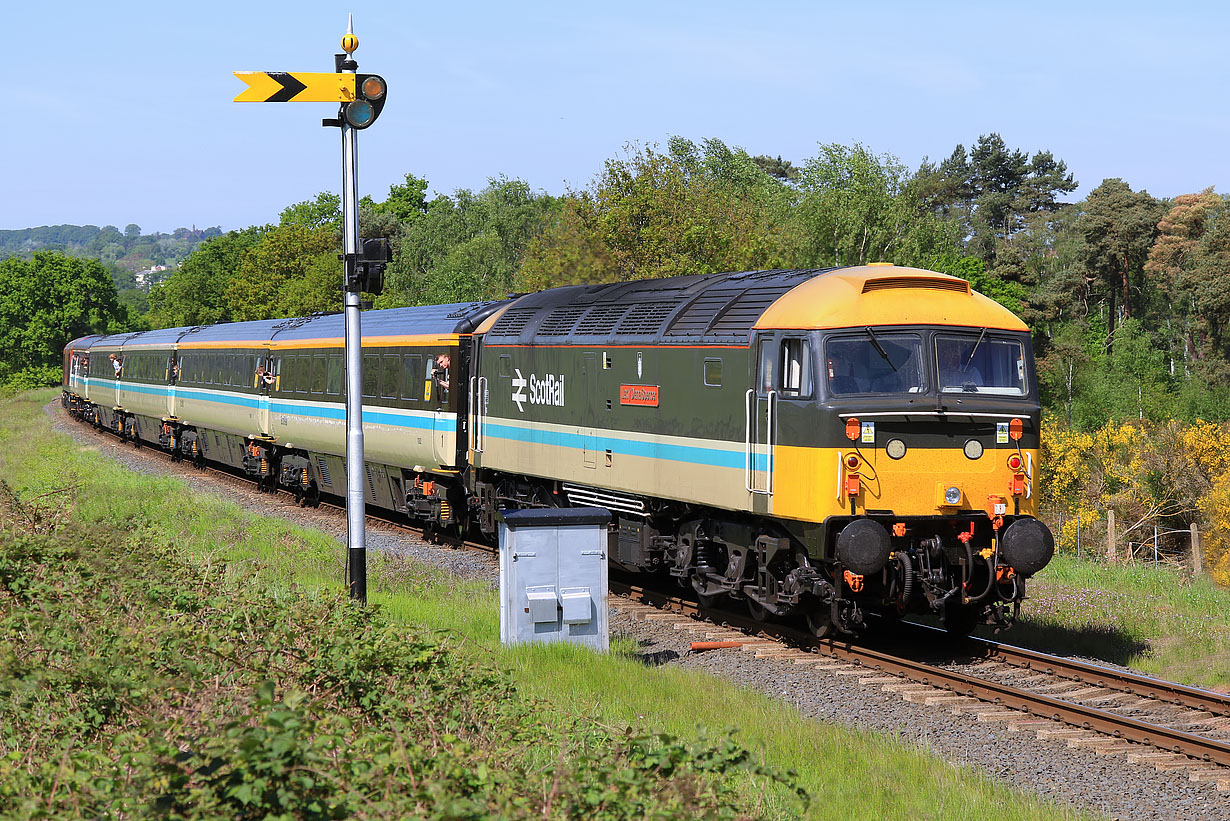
(359, 114)
(1014, 462)
(952, 496)
(367, 105)
(852, 461)
(372, 87)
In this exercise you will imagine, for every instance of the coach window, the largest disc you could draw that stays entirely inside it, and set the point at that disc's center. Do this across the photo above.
(390, 365)
(371, 374)
(319, 371)
(795, 369)
(300, 373)
(713, 373)
(337, 373)
(412, 377)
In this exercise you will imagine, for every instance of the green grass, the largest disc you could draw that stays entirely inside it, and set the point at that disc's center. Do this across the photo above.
(847, 774)
(1160, 621)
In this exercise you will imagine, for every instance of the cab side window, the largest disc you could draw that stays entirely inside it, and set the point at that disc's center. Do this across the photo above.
(795, 369)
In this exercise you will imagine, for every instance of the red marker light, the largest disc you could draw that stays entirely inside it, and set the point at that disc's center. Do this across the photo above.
(1014, 462)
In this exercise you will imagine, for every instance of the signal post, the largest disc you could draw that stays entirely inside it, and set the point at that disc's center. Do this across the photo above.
(362, 98)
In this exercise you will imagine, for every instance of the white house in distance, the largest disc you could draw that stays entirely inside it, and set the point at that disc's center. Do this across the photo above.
(150, 275)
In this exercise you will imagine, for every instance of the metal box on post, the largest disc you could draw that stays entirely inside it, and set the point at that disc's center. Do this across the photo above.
(553, 576)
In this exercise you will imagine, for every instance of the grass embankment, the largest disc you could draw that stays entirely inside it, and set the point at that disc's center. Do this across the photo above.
(167, 645)
(1160, 621)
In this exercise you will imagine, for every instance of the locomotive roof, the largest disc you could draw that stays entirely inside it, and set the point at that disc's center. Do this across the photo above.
(726, 308)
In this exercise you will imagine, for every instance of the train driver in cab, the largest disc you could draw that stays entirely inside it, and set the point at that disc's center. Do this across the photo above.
(957, 369)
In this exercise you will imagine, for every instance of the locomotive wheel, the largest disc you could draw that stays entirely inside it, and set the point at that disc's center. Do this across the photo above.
(758, 611)
(960, 620)
(820, 622)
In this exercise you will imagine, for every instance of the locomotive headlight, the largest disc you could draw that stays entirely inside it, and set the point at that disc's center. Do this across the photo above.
(973, 449)
(895, 448)
(952, 496)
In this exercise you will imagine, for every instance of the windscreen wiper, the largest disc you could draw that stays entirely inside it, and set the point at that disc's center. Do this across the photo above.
(880, 348)
(974, 351)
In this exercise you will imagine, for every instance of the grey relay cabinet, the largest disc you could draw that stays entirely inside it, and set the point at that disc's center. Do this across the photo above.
(553, 576)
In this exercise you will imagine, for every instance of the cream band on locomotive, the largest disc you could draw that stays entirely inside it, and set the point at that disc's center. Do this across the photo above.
(817, 442)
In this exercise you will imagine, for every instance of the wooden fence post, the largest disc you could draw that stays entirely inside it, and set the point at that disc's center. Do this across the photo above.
(1197, 555)
(1110, 535)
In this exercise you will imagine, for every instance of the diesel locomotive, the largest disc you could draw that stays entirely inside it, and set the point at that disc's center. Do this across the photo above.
(814, 444)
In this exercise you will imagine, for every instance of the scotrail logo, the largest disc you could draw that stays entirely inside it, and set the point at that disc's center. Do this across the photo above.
(548, 390)
(518, 395)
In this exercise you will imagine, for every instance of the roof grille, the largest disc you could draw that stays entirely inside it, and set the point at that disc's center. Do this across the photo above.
(601, 319)
(695, 319)
(646, 318)
(513, 321)
(560, 321)
(933, 283)
(743, 313)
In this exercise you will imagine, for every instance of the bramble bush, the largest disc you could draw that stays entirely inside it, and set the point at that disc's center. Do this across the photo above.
(138, 682)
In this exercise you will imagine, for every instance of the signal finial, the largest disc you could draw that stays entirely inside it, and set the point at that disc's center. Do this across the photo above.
(349, 41)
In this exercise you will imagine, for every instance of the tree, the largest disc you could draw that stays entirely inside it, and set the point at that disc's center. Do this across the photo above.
(465, 247)
(777, 167)
(46, 302)
(195, 294)
(325, 210)
(406, 202)
(859, 207)
(292, 270)
(1172, 263)
(693, 209)
(1118, 226)
(997, 193)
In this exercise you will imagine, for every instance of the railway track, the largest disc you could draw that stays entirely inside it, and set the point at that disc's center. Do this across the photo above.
(1168, 725)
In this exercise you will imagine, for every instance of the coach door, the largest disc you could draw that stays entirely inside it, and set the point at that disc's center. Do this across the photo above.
(476, 403)
(172, 376)
(265, 386)
(760, 423)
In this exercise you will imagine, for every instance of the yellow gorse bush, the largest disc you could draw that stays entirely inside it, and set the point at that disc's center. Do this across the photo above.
(1170, 474)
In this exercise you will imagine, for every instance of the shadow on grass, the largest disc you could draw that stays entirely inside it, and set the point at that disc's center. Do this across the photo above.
(1104, 642)
(652, 658)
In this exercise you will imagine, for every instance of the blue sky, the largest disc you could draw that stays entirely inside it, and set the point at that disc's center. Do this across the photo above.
(126, 114)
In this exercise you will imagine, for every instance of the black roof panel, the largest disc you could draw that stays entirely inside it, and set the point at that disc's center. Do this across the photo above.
(715, 308)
